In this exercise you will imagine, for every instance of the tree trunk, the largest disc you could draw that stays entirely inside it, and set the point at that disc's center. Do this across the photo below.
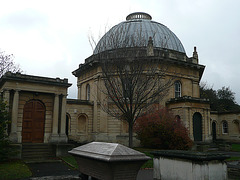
(130, 134)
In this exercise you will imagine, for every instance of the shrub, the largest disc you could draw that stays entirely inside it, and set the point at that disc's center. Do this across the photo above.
(160, 129)
(4, 142)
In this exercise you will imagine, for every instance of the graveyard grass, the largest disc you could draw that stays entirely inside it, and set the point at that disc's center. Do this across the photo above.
(70, 160)
(15, 169)
(236, 147)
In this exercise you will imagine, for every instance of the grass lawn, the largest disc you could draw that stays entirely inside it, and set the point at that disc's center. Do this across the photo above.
(71, 161)
(14, 170)
(236, 147)
(149, 163)
(233, 159)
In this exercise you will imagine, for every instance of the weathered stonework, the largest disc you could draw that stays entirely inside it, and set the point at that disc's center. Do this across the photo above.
(83, 119)
(19, 90)
(233, 125)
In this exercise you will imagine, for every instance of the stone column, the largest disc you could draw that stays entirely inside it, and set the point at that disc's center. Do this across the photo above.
(13, 135)
(79, 90)
(190, 123)
(55, 137)
(63, 136)
(208, 120)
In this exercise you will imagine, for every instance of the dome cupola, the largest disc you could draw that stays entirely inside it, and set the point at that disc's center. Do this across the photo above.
(136, 31)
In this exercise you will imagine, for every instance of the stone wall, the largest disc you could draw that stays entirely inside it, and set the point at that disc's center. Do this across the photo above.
(186, 107)
(233, 124)
(80, 122)
(189, 165)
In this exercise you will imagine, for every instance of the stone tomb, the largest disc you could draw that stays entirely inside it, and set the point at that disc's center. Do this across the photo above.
(182, 165)
(108, 161)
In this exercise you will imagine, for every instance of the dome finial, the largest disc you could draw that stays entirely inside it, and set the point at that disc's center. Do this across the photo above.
(138, 15)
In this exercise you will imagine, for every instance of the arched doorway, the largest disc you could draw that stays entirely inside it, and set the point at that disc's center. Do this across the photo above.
(33, 122)
(214, 132)
(197, 127)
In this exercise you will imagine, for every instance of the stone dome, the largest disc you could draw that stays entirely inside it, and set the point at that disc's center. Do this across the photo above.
(136, 31)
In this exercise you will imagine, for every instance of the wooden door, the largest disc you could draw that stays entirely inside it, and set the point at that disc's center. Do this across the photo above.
(33, 122)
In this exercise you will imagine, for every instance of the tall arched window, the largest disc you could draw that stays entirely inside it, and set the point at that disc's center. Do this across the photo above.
(88, 92)
(177, 90)
(224, 127)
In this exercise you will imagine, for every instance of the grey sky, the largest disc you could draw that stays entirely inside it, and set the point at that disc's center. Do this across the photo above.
(50, 37)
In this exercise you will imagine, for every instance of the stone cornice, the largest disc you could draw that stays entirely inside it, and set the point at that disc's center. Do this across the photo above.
(33, 79)
(95, 60)
(188, 99)
(78, 101)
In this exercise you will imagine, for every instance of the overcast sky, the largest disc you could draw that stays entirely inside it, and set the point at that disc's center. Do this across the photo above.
(50, 37)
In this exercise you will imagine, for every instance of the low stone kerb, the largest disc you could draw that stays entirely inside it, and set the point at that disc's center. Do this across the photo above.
(191, 155)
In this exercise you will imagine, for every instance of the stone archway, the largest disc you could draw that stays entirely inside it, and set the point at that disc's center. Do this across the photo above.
(33, 122)
(197, 126)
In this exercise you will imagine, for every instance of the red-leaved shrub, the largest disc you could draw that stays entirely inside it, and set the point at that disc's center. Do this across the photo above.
(160, 129)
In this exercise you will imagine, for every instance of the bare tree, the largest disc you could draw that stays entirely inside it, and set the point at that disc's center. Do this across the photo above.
(132, 87)
(7, 64)
(135, 80)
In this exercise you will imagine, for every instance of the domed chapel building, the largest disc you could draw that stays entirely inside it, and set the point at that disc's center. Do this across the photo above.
(41, 113)
(158, 44)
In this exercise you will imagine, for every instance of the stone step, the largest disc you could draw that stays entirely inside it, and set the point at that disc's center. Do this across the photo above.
(38, 151)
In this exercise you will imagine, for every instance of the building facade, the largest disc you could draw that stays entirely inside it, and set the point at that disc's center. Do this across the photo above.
(41, 113)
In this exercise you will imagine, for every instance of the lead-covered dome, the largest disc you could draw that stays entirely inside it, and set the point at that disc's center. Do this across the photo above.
(135, 32)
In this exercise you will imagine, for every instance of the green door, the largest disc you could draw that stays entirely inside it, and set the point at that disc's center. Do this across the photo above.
(197, 127)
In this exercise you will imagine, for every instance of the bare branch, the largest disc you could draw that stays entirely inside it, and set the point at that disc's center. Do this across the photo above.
(7, 64)
(133, 80)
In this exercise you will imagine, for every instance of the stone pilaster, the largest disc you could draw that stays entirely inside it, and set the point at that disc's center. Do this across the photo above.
(13, 135)
(195, 89)
(95, 106)
(55, 136)
(63, 136)
(79, 90)
(190, 123)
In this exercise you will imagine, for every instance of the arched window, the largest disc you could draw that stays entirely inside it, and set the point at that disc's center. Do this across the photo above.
(177, 118)
(224, 127)
(88, 92)
(177, 86)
